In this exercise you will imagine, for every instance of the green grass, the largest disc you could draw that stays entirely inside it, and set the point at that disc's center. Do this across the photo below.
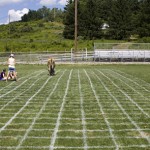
(48, 37)
(81, 107)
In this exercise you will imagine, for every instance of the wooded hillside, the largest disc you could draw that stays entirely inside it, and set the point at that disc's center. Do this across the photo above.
(53, 29)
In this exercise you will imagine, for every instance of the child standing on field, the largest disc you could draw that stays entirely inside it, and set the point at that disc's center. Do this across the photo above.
(51, 66)
(11, 67)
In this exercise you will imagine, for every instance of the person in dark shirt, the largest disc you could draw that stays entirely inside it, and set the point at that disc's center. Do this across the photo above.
(3, 75)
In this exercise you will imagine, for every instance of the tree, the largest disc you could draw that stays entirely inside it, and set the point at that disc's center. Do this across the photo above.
(69, 20)
(31, 16)
(104, 9)
(135, 9)
(144, 19)
(91, 24)
(120, 20)
(43, 13)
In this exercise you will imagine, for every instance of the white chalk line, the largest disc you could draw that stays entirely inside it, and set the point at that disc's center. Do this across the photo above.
(54, 135)
(123, 110)
(133, 81)
(18, 80)
(12, 100)
(77, 147)
(73, 119)
(63, 130)
(101, 109)
(129, 98)
(72, 137)
(131, 76)
(109, 109)
(14, 88)
(27, 102)
(137, 92)
(75, 130)
(82, 113)
(88, 123)
(39, 113)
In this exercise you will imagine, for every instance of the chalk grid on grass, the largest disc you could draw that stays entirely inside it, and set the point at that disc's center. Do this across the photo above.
(77, 109)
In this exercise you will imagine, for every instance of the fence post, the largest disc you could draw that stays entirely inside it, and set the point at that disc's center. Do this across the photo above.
(86, 53)
(122, 57)
(71, 55)
(30, 56)
(99, 55)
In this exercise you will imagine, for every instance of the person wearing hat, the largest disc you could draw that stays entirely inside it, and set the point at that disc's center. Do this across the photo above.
(3, 75)
(11, 67)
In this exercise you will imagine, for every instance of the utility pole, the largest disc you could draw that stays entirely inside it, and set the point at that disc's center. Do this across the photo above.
(76, 25)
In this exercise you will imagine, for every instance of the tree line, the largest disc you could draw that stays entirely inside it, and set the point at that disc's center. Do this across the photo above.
(44, 13)
(123, 17)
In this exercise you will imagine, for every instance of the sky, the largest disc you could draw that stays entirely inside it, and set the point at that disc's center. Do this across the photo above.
(13, 10)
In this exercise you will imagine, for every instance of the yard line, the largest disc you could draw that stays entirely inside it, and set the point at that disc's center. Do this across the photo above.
(29, 118)
(74, 130)
(20, 94)
(13, 89)
(123, 110)
(11, 119)
(69, 148)
(82, 113)
(58, 147)
(125, 74)
(54, 136)
(102, 111)
(129, 86)
(131, 100)
(39, 113)
(72, 137)
(139, 85)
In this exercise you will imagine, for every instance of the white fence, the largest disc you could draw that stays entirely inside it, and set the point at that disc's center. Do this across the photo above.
(122, 55)
(122, 52)
(42, 57)
(122, 46)
(80, 56)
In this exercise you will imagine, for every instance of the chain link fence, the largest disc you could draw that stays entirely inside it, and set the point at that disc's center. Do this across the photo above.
(42, 57)
(103, 52)
(122, 52)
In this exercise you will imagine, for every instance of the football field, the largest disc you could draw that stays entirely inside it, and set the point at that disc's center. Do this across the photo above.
(82, 107)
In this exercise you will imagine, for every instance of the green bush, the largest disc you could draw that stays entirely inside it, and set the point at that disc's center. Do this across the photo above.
(144, 40)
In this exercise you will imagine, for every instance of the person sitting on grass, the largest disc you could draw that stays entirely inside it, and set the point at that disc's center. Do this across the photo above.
(11, 76)
(3, 75)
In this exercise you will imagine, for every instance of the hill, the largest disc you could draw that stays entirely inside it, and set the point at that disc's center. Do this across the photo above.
(38, 36)
(32, 36)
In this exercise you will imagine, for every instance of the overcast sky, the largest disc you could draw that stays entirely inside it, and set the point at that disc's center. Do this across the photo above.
(17, 8)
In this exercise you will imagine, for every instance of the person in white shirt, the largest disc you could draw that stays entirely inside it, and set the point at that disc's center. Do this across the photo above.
(11, 67)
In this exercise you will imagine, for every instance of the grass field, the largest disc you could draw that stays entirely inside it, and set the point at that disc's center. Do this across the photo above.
(82, 107)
